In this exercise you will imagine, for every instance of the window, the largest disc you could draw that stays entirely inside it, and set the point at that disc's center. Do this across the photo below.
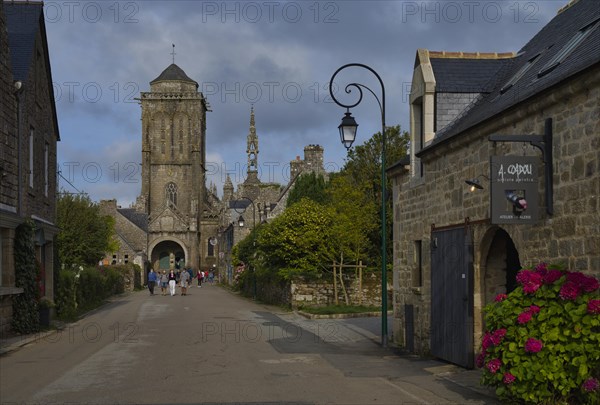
(211, 248)
(569, 47)
(126, 259)
(171, 194)
(46, 168)
(31, 158)
(417, 136)
(519, 73)
(417, 273)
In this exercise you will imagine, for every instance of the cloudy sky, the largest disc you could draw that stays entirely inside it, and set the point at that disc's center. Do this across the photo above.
(276, 55)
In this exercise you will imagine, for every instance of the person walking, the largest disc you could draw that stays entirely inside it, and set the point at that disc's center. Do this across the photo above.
(151, 281)
(172, 282)
(199, 275)
(183, 280)
(164, 282)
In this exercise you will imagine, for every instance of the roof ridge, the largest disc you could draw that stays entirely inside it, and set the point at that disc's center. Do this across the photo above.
(566, 6)
(471, 55)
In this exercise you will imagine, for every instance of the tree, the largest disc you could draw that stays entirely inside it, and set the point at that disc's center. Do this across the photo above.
(85, 235)
(355, 218)
(308, 185)
(298, 242)
(363, 168)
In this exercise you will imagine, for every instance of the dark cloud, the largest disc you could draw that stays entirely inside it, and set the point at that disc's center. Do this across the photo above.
(278, 56)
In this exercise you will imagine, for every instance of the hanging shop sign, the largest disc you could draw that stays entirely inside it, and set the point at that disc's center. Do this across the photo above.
(514, 189)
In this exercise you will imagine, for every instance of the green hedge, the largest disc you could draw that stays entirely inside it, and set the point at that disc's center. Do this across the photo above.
(84, 289)
(26, 318)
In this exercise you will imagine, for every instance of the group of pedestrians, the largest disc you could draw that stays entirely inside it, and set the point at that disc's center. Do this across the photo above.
(171, 279)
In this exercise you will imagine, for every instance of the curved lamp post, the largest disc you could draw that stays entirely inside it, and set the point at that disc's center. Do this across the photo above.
(347, 130)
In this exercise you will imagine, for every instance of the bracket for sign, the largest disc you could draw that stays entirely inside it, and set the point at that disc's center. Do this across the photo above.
(543, 143)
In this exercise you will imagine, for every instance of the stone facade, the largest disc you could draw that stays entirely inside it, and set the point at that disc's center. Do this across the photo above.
(173, 161)
(172, 220)
(449, 105)
(318, 293)
(28, 138)
(436, 197)
(132, 236)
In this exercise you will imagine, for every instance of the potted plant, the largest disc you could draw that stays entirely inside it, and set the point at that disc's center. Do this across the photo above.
(45, 305)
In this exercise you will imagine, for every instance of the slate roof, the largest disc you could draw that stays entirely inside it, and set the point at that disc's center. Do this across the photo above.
(465, 75)
(23, 21)
(173, 72)
(548, 42)
(139, 219)
(239, 204)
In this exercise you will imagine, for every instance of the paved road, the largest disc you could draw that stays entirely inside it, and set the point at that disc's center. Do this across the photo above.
(214, 347)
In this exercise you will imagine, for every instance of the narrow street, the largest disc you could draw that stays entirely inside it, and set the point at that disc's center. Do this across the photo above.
(214, 347)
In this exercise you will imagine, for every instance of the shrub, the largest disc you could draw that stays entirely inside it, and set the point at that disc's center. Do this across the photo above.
(66, 295)
(85, 289)
(26, 318)
(542, 343)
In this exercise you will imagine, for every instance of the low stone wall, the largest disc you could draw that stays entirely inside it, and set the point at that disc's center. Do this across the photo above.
(315, 293)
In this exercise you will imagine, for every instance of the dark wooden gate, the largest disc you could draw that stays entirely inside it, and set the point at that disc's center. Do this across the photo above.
(452, 296)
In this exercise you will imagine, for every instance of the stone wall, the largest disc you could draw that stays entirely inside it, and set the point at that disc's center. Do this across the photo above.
(8, 129)
(132, 239)
(37, 115)
(316, 293)
(302, 293)
(441, 197)
(450, 105)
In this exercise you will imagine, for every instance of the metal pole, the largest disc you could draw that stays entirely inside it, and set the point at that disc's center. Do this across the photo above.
(359, 87)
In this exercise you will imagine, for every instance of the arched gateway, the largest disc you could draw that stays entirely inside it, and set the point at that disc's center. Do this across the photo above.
(497, 270)
(168, 254)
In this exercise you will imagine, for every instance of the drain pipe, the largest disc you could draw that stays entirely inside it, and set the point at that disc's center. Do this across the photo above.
(19, 87)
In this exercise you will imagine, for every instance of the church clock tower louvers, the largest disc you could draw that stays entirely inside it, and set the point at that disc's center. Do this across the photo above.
(173, 161)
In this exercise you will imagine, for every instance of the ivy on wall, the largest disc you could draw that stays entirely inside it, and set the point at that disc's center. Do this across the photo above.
(26, 318)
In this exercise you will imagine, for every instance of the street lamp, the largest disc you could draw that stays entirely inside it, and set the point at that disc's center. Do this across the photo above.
(241, 222)
(347, 130)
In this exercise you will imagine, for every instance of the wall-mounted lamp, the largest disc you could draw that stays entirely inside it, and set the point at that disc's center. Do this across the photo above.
(475, 183)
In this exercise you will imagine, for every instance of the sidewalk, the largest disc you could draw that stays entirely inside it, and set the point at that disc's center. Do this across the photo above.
(11, 343)
(427, 380)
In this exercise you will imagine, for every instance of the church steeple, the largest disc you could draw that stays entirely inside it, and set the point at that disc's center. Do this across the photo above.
(252, 148)
(227, 189)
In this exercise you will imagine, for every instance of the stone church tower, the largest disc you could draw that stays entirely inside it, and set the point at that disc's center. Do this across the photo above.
(173, 161)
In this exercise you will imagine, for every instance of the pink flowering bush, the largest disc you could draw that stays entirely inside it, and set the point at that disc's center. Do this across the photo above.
(542, 341)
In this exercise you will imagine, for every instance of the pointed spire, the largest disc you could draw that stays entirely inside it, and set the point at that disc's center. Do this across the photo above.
(252, 149)
(252, 124)
(227, 189)
(228, 184)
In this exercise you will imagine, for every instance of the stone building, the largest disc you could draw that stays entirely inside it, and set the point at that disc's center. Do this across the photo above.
(452, 253)
(255, 201)
(131, 232)
(28, 137)
(171, 222)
